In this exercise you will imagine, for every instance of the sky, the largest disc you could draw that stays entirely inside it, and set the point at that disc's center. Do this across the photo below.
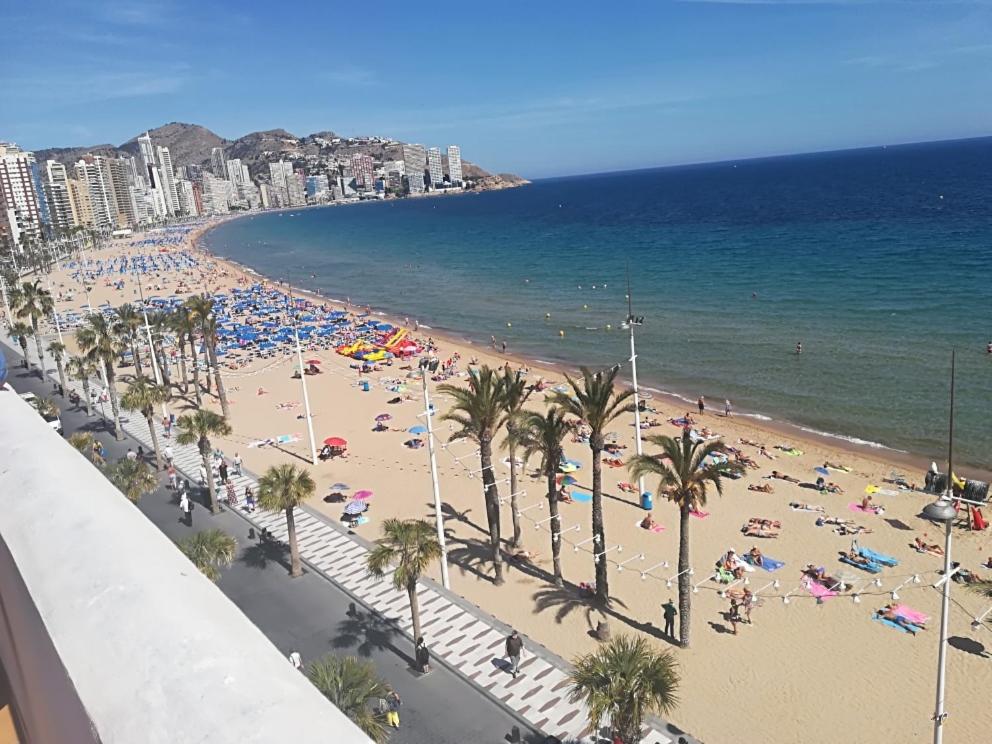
(538, 88)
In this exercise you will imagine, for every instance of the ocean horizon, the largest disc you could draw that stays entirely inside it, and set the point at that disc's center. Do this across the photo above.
(877, 260)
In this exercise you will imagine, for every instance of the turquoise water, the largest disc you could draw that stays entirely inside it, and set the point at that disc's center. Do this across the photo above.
(879, 261)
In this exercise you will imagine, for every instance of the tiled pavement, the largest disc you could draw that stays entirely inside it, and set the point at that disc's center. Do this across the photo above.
(465, 640)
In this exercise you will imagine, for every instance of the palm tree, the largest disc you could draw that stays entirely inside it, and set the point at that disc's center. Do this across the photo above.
(180, 324)
(143, 395)
(285, 487)
(86, 444)
(129, 320)
(685, 476)
(158, 321)
(82, 369)
(101, 342)
(35, 302)
(200, 307)
(57, 350)
(543, 434)
(20, 331)
(623, 682)
(197, 428)
(132, 478)
(480, 412)
(209, 325)
(598, 403)
(350, 683)
(209, 551)
(516, 393)
(185, 326)
(412, 545)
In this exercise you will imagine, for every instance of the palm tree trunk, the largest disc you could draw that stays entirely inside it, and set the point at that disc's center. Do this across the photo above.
(182, 364)
(205, 455)
(37, 341)
(598, 531)
(295, 569)
(196, 372)
(685, 590)
(24, 350)
(114, 404)
(163, 365)
(628, 725)
(206, 362)
(513, 498)
(61, 368)
(86, 394)
(492, 507)
(150, 418)
(555, 528)
(411, 590)
(221, 392)
(137, 358)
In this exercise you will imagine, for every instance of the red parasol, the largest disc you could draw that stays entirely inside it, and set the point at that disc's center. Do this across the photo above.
(336, 442)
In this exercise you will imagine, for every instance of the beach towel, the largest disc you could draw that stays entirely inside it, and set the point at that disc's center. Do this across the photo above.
(581, 496)
(656, 528)
(723, 576)
(859, 508)
(890, 623)
(767, 564)
(881, 558)
(816, 589)
(699, 514)
(886, 492)
(914, 616)
(809, 508)
(287, 438)
(870, 568)
(978, 519)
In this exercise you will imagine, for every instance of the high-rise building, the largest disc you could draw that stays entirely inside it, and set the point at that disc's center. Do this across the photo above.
(434, 167)
(246, 195)
(59, 197)
(217, 194)
(279, 175)
(362, 170)
(120, 185)
(153, 177)
(318, 188)
(89, 170)
(80, 195)
(394, 181)
(168, 181)
(23, 207)
(455, 164)
(414, 162)
(218, 162)
(298, 189)
(187, 198)
(263, 192)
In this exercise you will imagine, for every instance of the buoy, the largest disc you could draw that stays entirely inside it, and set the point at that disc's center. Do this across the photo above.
(585, 307)
(609, 327)
(561, 333)
(547, 316)
(509, 325)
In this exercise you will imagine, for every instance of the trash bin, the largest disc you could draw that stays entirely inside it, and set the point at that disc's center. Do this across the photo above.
(647, 501)
(365, 386)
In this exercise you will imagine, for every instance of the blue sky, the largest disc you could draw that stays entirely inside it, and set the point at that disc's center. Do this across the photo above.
(537, 88)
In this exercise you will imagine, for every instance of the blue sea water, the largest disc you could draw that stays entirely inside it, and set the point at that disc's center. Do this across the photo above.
(878, 260)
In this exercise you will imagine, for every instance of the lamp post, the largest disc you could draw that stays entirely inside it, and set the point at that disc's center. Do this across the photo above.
(303, 376)
(632, 321)
(6, 303)
(943, 511)
(430, 365)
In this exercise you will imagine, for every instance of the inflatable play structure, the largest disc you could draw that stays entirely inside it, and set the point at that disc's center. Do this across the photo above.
(385, 342)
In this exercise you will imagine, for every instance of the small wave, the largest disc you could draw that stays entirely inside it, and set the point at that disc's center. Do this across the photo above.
(426, 326)
(852, 440)
(544, 361)
(759, 416)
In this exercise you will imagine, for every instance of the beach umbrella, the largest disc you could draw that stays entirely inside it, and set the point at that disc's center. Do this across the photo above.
(822, 471)
(567, 467)
(313, 361)
(567, 480)
(383, 417)
(418, 429)
(336, 442)
(355, 507)
(363, 495)
(340, 487)
(266, 345)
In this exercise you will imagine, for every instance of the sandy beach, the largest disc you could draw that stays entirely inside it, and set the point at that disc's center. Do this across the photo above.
(805, 670)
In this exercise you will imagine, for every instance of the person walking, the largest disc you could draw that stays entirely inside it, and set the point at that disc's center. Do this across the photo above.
(514, 646)
(735, 615)
(670, 612)
(167, 427)
(393, 704)
(423, 656)
(131, 454)
(748, 602)
(238, 464)
(169, 454)
(296, 660)
(249, 500)
(222, 469)
(726, 408)
(173, 477)
(701, 403)
(186, 508)
(504, 345)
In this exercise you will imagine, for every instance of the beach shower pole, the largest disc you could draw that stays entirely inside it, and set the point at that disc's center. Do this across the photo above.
(943, 511)
(151, 343)
(431, 365)
(303, 376)
(631, 322)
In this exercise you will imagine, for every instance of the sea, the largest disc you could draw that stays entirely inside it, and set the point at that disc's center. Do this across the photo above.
(879, 261)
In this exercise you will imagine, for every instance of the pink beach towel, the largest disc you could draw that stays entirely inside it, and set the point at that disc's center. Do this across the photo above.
(656, 528)
(816, 589)
(699, 514)
(914, 616)
(859, 508)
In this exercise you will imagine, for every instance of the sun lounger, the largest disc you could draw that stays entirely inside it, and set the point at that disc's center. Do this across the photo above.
(880, 558)
(870, 567)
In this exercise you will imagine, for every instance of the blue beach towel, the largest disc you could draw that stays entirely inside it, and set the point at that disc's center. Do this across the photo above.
(870, 568)
(886, 621)
(885, 560)
(768, 564)
(581, 496)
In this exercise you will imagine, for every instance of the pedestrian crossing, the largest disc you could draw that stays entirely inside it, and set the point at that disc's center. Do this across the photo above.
(465, 641)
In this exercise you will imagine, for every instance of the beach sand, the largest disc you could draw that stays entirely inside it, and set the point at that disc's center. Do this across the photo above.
(803, 671)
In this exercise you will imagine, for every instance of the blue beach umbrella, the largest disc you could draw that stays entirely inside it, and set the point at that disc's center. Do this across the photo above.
(821, 471)
(266, 345)
(418, 429)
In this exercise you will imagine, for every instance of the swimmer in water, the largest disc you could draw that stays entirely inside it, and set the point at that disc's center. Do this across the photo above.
(799, 347)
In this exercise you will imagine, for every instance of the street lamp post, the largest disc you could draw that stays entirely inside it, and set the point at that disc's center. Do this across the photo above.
(943, 511)
(632, 321)
(151, 343)
(303, 376)
(430, 365)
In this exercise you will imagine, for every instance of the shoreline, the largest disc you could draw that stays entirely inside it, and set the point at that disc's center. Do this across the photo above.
(760, 422)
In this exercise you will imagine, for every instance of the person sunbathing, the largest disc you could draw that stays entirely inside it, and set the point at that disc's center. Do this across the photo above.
(858, 559)
(763, 488)
(922, 546)
(889, 613)
(782, 476)
(730, 562)
(765, 453)
(846, 529)
(743, 459)
(751, 442)
(523, 556)
(755, 556)
(818, 573)
(753, 529)
(765, 522)
(835, 466)
(627, 487)
(648, 522)
(803, 506)
(564, 496)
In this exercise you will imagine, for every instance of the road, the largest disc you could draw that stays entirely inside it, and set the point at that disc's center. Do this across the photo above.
(311, 614)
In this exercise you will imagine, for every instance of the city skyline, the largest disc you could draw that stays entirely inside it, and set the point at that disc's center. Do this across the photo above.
(672, 83)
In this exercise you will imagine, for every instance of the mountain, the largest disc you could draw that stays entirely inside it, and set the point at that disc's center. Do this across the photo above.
(191, 144)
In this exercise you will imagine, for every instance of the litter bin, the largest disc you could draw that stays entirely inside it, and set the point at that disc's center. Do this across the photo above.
(647, 501)
(365, 386)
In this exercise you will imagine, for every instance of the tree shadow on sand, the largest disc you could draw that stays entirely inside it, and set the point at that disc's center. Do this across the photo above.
(471, 556)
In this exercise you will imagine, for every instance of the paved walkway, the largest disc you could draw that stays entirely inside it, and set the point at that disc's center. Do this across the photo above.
(467, 641)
